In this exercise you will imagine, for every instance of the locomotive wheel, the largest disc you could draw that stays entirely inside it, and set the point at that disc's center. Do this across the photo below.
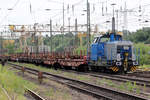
(48, 66)
(93, 68)
(55, 66)
(36, 63)
(79, 68)
(86, 68)
(103, 70)
(125, 72)
(121, 70)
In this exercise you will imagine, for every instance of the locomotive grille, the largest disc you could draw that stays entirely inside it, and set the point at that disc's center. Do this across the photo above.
(119, 48)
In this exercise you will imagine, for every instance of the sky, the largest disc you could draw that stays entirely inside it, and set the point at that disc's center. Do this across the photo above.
(33, 11)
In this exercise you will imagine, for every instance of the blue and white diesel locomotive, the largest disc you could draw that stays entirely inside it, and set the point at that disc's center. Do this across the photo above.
(111, 52)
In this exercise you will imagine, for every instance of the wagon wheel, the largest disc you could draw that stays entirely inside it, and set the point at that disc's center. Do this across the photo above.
(82, 68)
(93, 68)
(56, 66)
(86, 68)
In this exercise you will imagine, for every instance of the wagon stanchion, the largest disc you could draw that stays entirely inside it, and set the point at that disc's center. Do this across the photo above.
(84, 52)
(80, 54)
(40, 77)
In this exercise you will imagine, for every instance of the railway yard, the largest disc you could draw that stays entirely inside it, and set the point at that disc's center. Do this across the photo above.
(75, 50)
(72, 85)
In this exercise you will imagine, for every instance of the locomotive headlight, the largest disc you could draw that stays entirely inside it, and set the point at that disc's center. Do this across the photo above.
(126, 48)
(135, 63)
(118, 57)
(133, 57)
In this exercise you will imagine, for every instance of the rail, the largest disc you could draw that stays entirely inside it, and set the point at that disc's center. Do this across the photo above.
(33, 94)
(91, 89)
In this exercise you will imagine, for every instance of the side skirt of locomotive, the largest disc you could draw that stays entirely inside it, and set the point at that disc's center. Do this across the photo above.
(113, 67)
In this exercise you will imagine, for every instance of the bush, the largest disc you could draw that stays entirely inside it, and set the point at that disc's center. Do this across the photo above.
(141, 35)
(144, 56)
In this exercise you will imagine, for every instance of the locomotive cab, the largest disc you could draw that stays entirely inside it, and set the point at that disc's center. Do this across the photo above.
(97, 47)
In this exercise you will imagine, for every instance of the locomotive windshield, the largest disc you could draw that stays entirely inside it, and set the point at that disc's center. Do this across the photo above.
(104, 39)
(95, 39)
(101, 39)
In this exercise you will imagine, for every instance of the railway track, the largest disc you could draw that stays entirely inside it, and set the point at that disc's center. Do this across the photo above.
(5, 92)
(88, 88)
(143, 74)
(33, 94)
(121, 78)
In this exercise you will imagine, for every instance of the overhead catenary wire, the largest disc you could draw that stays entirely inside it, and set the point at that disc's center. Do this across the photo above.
(67, 11)
(57, 16)
(33, 16)
(9, 11)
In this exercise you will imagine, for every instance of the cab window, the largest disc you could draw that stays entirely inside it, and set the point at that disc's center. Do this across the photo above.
(104, 39)
(95, 40)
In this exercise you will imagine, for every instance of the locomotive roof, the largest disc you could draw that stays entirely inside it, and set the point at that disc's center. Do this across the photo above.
(102, 35)
(107, 35)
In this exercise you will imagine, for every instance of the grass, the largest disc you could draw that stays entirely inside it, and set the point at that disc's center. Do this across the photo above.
(144, 66)
(130, 86)
(58, 72)
(122, 87)
(58, 95)
(110, 83)
(57, 91)
(2, 95)
(15, 87)
(127, 86)
(13, 84)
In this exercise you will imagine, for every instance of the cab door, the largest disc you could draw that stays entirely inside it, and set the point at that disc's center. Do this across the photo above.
(94, 49)
(101, 49)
